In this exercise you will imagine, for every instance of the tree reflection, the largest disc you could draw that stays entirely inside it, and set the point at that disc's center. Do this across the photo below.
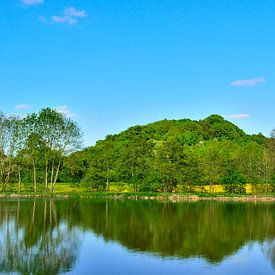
(34, 240)
(211, 230)
(269, 250)
(42, 236)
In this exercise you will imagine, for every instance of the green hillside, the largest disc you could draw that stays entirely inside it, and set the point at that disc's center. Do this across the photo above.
(172, 155)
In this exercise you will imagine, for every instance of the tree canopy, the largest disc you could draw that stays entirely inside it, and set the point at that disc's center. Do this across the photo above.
(33, 149)
(168, 155)
(177, 155)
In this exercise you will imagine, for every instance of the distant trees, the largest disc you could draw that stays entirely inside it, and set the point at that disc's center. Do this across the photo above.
(132, 162)
(169, 155)
(100, 171)
(168, 165)
(179, 155)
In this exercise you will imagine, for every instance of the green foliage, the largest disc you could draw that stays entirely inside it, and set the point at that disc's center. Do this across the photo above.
(173, 155)
(33, 148)
(234, 182)
(164, 156)
(271, 188)
(189, 138)
(233, 177)
(236, 188)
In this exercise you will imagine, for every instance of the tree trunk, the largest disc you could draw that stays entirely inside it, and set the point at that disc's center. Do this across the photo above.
(46, 176)
(108, 179)
(52, 172)
(132, 174)
(34, 177)
(56, 175)
(19, 178)
(6, 178)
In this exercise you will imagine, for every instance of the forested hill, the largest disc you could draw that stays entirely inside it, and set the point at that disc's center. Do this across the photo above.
(187, 131)
(173, 155)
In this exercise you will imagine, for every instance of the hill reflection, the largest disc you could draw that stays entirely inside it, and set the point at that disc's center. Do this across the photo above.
(211, 230)
(44, 236)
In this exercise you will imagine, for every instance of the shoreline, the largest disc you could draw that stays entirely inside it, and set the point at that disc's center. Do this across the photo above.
(175, 197)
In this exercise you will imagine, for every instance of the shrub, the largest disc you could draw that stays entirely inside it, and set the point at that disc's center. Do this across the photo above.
(236, 188)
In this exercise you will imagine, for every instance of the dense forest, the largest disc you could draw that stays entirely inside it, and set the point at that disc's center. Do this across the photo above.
(168, 155)
(177, 155)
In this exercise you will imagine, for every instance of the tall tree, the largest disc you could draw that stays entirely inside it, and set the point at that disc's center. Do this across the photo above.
(10, 144)
(52, 136)
(61, 136)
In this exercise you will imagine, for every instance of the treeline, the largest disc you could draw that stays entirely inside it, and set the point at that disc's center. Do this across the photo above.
(32, 149)
(176, 155)
(170, 155)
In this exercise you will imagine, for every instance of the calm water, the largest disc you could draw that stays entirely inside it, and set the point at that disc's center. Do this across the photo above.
(136, 237)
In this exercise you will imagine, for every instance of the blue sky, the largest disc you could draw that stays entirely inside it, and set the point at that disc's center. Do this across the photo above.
(114, 64)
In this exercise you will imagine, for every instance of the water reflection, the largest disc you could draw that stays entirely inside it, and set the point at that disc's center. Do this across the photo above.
(206, 229)
(269, 250)
(45, 236)
(34, 239)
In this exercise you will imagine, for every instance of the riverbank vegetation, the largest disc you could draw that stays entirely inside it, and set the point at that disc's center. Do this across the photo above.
(209, 155)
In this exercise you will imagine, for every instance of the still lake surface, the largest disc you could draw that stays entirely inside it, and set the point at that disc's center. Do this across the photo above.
(51, 236)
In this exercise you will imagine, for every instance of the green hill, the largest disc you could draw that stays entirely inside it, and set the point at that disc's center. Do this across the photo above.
(175, 155)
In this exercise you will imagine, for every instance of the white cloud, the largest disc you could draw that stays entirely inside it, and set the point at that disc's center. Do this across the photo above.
(32, 2)
(72, 12)
(69, 16)
(64, 110)
(23, 107)
(239, 116)
(248, 82)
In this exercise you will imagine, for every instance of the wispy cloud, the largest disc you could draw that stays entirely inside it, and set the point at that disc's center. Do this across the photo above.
(70, 16)
(238, 116)
(64, 110)
(32, 2)
(23, 107)
(248, 82)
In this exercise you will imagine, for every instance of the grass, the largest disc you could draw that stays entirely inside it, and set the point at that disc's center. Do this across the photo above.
(73, 190)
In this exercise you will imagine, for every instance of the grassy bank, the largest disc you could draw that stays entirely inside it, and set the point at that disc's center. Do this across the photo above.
(249, 189)
(67, 190)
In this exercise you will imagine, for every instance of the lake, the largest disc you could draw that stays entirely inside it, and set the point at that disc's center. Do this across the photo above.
(56, 236)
